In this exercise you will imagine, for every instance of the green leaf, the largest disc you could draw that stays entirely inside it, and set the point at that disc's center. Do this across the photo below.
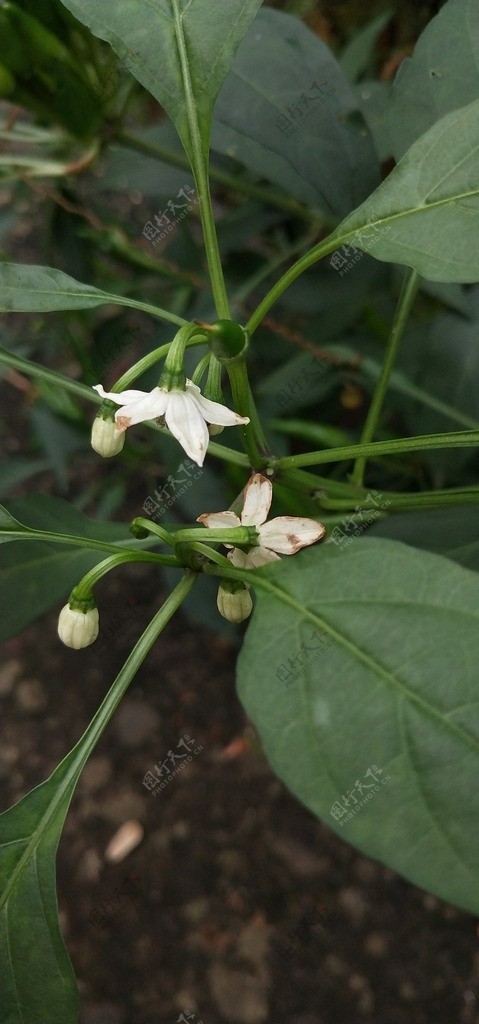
(180, 50)
(26, 288)
(452, 532)
(288, 113)
(36, 575)
(441, 75)
(426, 213)
(38, 983)
(392, 683)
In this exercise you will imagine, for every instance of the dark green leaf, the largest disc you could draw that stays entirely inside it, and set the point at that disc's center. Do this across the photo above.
(441, 75)
(391, 684)
(288, 113)
(165, 42)
(426, 213)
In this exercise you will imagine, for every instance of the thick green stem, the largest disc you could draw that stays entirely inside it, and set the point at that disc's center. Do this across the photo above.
(236, 535)
(408, 293)
(458, 439)
(242, 404)
(199, 162)
(91, 578)
(328, 245)
(88, 543)
(149, 360)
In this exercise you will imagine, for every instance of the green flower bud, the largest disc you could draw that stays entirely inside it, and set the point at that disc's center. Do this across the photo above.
(77, 628)
(226, 339)
(105, 438)
(234, 601)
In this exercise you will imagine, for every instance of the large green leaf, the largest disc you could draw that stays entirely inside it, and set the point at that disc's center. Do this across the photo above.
(180, 50)
(34, 575)
(287, 112)
(426, 213)
(26, 288)
(452, 532)
(441, 75)
(38, 983)
(392, 684)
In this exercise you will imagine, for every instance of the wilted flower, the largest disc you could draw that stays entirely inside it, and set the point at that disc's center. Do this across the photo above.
(284, 535)
(78, 629)
(185, 411)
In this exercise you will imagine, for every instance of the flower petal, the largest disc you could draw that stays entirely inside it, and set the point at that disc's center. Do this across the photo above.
(260, 556)
(288, 534)
(121, 397)
(219, 520)
(187, 424)
(214, 412)
(238, 558)
(136, 406)
(257, 497)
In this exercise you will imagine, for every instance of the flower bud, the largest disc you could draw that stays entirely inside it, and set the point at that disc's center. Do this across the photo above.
(77, 628)
(105, 438)
(234, 601)
(214, 429)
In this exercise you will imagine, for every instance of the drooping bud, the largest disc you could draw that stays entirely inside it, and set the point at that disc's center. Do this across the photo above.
(234, 601)
(105, 438)
(76, 628)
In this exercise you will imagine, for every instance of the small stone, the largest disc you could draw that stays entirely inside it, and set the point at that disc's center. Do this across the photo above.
(376, 944)
(31, 696)
(8, 674)
(240, 998)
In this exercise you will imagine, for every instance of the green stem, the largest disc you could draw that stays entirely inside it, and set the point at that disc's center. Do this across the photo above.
(458, 439)
(151, 527)
(200, 170)
(91, 578)
(318, 252)
(269, 196)
(242, 404)
(149, 360)
(210, 553)
(87, 543)
(408, 293)
(236, 535)
(410, 502)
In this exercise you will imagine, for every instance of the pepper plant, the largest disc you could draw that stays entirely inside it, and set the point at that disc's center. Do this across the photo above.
(358, 666)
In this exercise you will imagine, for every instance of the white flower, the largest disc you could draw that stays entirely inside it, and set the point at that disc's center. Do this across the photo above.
(105, 438)
(78, 629)
(186, 414)
(284, 535)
